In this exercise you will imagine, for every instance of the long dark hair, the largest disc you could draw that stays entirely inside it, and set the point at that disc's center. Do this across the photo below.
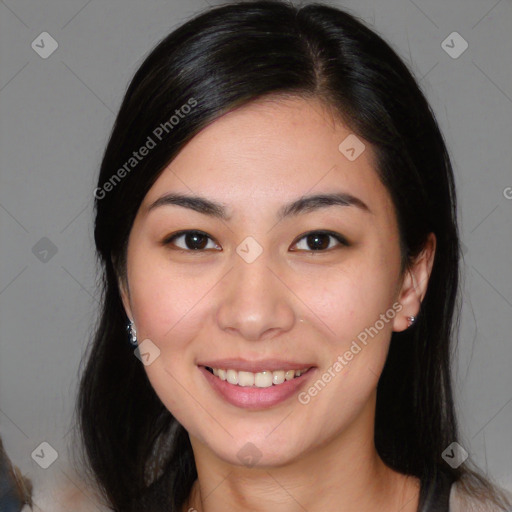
(132, 446)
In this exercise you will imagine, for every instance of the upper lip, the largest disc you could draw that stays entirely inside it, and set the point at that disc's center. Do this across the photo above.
(255, 366)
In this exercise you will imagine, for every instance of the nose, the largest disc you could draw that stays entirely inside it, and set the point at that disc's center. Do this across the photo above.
(255, 301)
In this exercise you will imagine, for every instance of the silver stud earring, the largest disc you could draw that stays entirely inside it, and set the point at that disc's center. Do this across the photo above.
(411, 319)
(132, 334)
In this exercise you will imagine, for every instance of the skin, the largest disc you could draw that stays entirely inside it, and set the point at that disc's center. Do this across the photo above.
(290, 303)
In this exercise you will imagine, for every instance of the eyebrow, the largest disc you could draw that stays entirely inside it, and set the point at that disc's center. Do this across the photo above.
(302, 205)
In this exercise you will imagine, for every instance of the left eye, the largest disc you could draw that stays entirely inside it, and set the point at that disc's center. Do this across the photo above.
(320, 240)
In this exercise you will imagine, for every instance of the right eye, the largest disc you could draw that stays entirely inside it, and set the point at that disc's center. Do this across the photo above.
(193, 240)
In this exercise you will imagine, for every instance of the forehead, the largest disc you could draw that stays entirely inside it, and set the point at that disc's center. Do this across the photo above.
(272, 151)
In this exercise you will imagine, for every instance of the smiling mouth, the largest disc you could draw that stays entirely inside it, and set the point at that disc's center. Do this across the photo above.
(263, 379)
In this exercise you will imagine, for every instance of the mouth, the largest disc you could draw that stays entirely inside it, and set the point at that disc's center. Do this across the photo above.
(258, 390)
(262, 379)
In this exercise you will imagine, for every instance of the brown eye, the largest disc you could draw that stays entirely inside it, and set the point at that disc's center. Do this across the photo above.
(197, 241)
(320, 241)
(191, 240)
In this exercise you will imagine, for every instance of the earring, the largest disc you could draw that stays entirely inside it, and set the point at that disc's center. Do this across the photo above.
(132, 334)
(411, 319)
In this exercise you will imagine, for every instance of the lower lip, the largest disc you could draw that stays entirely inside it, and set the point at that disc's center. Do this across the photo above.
(253, 397)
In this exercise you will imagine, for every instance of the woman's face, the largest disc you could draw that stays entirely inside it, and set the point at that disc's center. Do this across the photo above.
(253, 292)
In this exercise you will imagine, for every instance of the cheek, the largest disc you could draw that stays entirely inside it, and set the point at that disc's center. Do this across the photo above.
(349, 302)
(349, 298)
(166, 305)
(164, 298)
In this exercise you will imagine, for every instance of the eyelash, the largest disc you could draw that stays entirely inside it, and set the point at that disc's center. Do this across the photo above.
(342, 241)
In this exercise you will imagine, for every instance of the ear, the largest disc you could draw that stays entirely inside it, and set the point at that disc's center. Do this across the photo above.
(124, 292)
(414, 285)
(125, 297)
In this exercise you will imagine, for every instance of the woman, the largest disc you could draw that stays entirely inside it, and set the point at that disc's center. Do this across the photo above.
(15, 489)
(276, 220)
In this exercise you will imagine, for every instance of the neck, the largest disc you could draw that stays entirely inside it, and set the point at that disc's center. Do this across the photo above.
(344, 474)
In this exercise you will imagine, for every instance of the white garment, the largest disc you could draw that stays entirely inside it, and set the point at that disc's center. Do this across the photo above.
(57, 494)
(461, 502)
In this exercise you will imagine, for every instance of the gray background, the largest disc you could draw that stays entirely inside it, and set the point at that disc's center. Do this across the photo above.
(55, 118)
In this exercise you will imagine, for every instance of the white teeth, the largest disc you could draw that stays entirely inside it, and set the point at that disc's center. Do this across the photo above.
(232, 376)
(245, 379)
(278, 377)
(264, 379)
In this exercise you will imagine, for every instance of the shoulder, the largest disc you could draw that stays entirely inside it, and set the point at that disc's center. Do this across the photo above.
(461, 501)
(64, 493)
